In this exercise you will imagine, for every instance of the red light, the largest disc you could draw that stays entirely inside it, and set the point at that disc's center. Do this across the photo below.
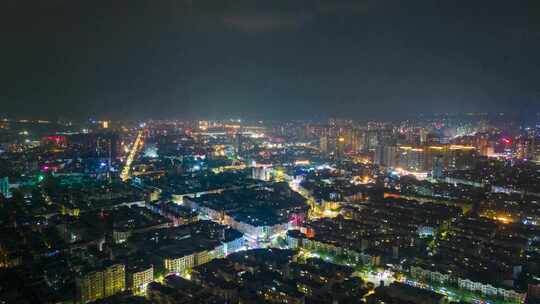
(507, 141)
(296, 219)
(56, 138)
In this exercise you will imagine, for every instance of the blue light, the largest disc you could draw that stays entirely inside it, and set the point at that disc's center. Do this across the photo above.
(102, 164)
(53, 253)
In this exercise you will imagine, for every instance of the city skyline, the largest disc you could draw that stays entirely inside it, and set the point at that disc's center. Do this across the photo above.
(247, 211)
(269, 152)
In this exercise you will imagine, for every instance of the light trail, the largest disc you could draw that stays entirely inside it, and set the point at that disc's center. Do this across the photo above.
(137, 145)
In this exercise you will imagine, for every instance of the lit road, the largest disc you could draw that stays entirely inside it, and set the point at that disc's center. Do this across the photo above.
(137, 145)
(376, 277)
(310, 200)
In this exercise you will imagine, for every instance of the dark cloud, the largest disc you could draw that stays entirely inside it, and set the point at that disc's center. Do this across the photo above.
(261, 22)
(276, 58)
(292, 16)
(347, 7)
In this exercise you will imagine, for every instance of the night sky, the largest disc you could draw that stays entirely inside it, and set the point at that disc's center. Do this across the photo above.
(267, 58)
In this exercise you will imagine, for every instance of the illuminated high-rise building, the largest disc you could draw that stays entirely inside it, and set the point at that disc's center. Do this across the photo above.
(371, 140)
(534, 148)
(238, 143)
(114, 279)
(378, 156)
(387, 156)
(423, 135)
(434, 138)
(523, 147)
(438, 166)
(90, 287)
(102, 145)
(323, 144)
(483, 144)
(98, 284)
(4, 187)
(341, 144)
(412, 159)
(261, 173)
(535, 154)
(139, 277)
(355, 142)
(390, 156)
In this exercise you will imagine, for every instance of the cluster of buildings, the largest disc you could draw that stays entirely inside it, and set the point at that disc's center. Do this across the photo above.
(178, 214)
(180, 186)
(268, 212)
(113, 279)
(376, 233)
(499, 176)
(173, 250)
(175, 289)
(281, 276)
(431, 244)
(102, 283)
(428, 159)
(260, 213)
(181, 248)
(485, 255)
(277, 276)
(511, 208)
(78, 193)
